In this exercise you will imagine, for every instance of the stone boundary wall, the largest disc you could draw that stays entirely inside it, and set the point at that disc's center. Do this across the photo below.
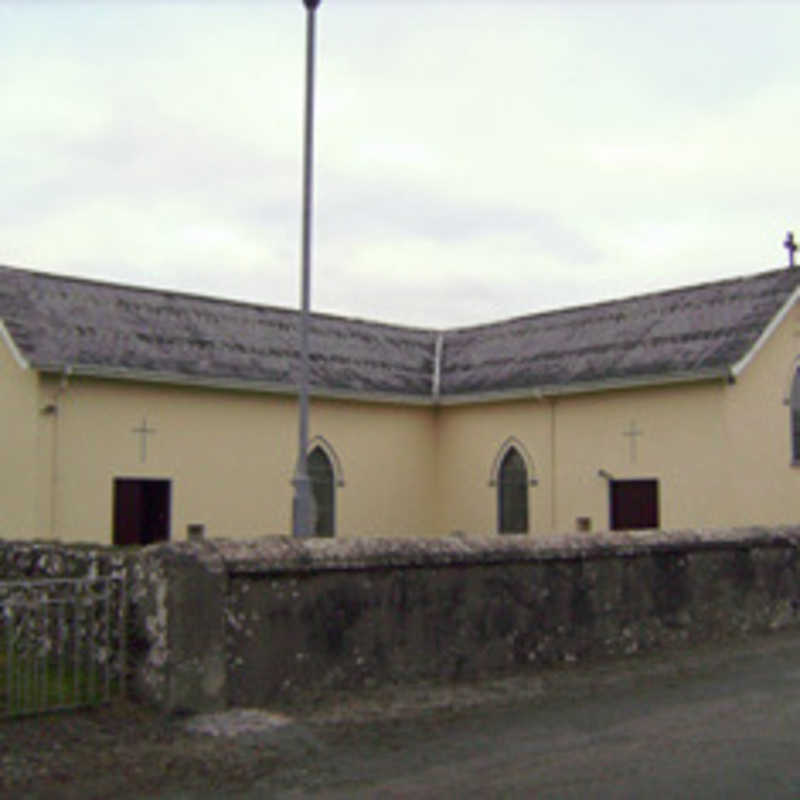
(179, 596)
(249, 623)
(20, 560)
(225, 623)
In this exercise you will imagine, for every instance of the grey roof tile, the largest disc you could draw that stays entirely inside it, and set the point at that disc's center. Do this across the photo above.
(58, 321)
(692, 330)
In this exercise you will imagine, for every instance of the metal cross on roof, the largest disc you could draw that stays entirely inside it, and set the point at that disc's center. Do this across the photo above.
(791, 247)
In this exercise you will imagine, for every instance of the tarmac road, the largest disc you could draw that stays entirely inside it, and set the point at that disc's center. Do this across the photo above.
(719, 722)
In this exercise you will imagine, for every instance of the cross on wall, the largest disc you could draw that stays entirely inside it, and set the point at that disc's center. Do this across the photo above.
(633, 433)
(143, 431)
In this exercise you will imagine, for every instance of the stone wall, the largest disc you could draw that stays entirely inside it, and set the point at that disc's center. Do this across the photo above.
(219, 623)
(179, 602)
(302, 617)
(28, 560)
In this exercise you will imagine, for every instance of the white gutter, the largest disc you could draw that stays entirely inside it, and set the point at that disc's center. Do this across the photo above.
(739, 366)
(391, 398)
(229, 384)
(9, 342)
(558, 390)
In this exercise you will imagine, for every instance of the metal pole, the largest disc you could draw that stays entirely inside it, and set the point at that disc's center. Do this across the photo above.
(10, 622)
(303, 502)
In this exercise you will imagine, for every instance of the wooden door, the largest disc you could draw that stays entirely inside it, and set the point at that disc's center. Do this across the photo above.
(634, 504)
(141, 511)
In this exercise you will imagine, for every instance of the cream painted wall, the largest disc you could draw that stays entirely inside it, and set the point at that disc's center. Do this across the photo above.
(470, 438)
(720, 452)
(683, 443)
(765, 484)
(230, 457)
(387, 455)
(18, 413)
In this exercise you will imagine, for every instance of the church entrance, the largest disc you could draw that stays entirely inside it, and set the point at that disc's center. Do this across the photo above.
(141, 510)
(633, 504)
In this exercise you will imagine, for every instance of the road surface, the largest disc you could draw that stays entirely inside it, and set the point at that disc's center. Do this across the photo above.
(718, 722)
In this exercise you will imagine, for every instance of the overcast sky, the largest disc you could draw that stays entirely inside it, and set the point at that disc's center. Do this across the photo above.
(474, 160)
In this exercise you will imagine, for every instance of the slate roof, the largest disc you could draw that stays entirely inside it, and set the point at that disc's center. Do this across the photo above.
(58, 321)
(103, 328)
(692, 331)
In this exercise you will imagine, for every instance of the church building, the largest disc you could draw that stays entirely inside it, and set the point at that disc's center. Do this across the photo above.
(128, 415)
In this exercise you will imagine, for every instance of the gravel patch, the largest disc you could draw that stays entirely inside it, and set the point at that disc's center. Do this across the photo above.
(126, 751)
(237, 722)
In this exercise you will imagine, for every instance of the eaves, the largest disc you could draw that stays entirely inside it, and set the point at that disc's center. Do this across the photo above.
(390, 398)
(587, 387)
(9, 342)
(226, 384)
(739, 366)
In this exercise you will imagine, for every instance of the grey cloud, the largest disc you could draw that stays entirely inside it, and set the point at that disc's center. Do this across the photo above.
(418, 213)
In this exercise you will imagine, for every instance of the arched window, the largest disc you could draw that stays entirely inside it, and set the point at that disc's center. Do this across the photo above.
(794, 402)
(512, 493)
(320, 472)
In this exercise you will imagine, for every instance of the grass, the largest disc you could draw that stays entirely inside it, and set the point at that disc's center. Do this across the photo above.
(44, 624)
(40, 684)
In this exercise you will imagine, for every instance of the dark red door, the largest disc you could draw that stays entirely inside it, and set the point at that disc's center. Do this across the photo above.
(141, 511)
(634, 504)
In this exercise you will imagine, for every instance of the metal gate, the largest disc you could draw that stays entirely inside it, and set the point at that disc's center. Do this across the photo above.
(63, 643)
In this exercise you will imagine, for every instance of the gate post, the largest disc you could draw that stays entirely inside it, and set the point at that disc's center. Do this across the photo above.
(178, 598)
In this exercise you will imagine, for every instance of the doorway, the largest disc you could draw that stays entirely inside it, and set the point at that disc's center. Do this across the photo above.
(634, 504)
(141, 511)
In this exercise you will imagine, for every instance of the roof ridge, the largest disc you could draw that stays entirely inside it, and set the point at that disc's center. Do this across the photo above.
(433, 331)
(207, 298)
(618, 301)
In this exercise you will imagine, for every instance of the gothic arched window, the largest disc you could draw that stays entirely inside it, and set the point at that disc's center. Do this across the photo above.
(512, 493)
(320, 472)
(794, 403)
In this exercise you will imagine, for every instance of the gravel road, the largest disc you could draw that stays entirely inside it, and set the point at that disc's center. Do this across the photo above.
(556, 733)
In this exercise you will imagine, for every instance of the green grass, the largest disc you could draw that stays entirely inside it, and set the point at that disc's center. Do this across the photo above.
(45, 685)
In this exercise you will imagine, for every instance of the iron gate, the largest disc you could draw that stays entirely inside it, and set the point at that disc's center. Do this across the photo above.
(63, 643)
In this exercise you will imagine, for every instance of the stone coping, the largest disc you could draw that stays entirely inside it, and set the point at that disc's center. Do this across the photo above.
(284, 554)
(31, 559)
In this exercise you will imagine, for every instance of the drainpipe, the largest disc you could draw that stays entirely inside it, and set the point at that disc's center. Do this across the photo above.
(553, 466)
(551, 401)
(54, 409)
(436, 391)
